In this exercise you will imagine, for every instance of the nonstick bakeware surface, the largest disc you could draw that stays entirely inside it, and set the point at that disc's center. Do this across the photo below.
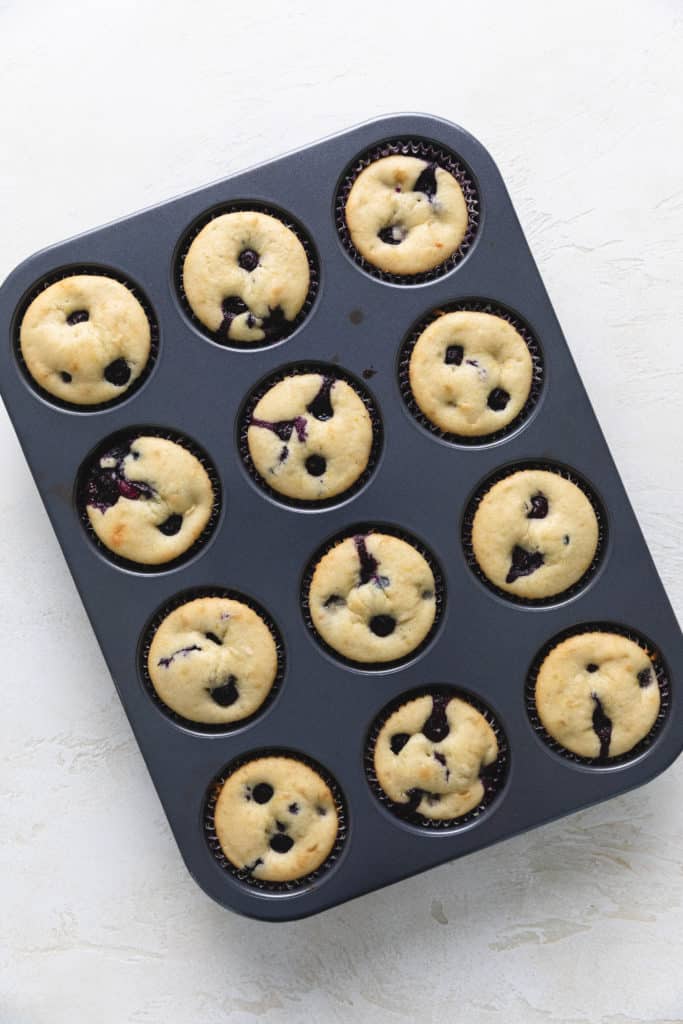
(422, 484)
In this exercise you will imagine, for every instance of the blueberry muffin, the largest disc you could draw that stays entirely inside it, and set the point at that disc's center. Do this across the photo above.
(534, 534)
(213, 660)
(85, 339)
(276, 819)
(597, 694)
(406, 215)
(470, 373)
(148, 500)
(246, 276)
(430, 756)
(372, 598)
(310, 436)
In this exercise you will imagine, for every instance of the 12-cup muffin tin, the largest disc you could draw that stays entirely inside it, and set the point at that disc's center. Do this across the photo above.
(421, 484)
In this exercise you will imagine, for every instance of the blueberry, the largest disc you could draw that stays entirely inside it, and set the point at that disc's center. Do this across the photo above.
(280, 843)
(539, 506)
(382, 625)
(262, 793)
(117, 372)
(498, 399)
(213, 638)
(66, 377)
(454, 355)
(171, 526)
(248, 260)
(591, 667)
(225, 694)
(316, 465)
(391, 235)
(644, 677)
(79, 316)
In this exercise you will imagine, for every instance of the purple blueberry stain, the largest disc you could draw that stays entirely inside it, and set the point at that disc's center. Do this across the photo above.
(284, 454)
(284, 428)
(524, 563)
(436, 727)
(107, 482)
(232, 306)
(426, 182)
(293, 808)
(368, 564)
(398, 742)
(441, 759)
(602, 726)
(181, 653)
(320, 406)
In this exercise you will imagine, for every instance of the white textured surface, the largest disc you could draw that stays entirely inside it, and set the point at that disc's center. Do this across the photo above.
(109, 107)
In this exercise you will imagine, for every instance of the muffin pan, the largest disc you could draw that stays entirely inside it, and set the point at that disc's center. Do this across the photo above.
(421, 484)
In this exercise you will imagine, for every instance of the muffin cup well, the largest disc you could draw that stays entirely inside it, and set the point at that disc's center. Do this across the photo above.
(241, 874)
(439, 594)
(90, 270)
(567, 474)
(297, 369)
(493, 777)
(474, 306)
(289, 222)
(184, 598)
(127, 436)
(663, 682)
(426, 150)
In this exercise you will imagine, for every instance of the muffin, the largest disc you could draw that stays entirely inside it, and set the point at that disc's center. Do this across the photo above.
(597, 694)
(276, 819)
(372, 598)
(310, 436)
(430, 755)
(148, 500)
(406, 215)
(470, 373)
(85, 339)
(534, 534)
(246, 277)
(213, 660)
